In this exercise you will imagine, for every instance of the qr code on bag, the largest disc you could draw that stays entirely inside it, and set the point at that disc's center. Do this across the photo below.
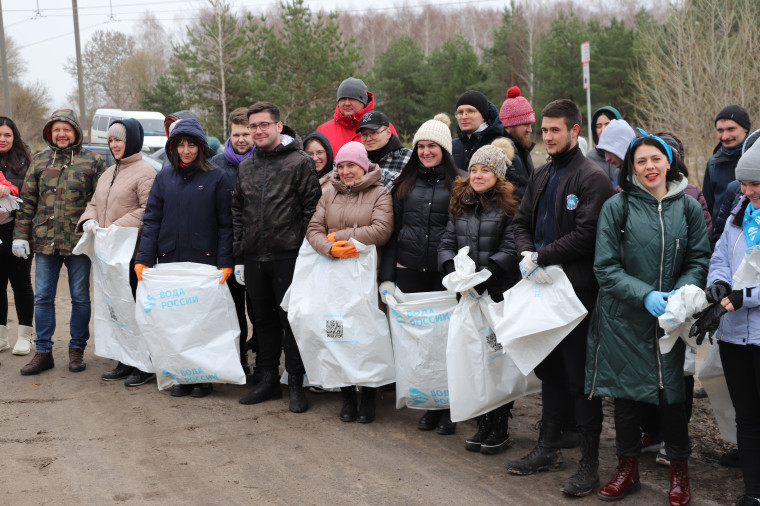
(492, 342)
(334, 329)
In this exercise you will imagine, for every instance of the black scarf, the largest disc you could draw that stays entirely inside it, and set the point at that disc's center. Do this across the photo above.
(392, 145)
(563, 159)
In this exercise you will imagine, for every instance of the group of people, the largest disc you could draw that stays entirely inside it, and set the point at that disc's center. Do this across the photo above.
(621, 220)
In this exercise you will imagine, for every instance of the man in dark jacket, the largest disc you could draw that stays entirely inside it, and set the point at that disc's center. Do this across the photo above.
(478, 124)
(237, 148)
(517, 116)
(276, 193)
(556, 225)
(732, 124)
(383, 146)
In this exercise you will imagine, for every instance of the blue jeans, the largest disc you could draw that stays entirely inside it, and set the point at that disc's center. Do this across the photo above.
(47, 270)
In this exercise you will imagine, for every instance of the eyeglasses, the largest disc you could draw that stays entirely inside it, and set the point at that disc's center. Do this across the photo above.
(469, 113)
(373, 134)
(263, 125)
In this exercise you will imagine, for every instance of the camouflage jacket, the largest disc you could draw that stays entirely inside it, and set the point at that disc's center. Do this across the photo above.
(55, 193)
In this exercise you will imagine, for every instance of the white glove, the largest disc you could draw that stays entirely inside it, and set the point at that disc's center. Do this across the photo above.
(385, 288)
(20, 248)
(240, 274)
(90, 226)
(531, 271)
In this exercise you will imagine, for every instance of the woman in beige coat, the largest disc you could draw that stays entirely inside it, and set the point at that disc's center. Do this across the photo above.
(119, 200)
(357, 206)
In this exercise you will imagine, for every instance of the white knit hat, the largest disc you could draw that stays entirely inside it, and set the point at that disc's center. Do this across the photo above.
(436, 131)
(616, 138)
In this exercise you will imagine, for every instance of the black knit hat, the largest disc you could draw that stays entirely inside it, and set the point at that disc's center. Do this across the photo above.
(475, 99)
(736, 113)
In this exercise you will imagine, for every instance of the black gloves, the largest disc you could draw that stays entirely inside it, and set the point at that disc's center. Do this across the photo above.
(708, 321)
(717, 291)
(736, 298)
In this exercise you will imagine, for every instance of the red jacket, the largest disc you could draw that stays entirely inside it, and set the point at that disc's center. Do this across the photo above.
(342, 129)
(5, 182)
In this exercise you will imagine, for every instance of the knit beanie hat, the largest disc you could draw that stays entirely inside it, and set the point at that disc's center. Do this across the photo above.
(353, 152)
(736, 113)
(436, 131)
(616, 138)
(475, 99)
(492, 157)
(353, 88)
(748, 167)
(516, 110)
(118, 130)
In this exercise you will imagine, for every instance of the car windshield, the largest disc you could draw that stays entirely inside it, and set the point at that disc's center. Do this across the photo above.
(153, 126)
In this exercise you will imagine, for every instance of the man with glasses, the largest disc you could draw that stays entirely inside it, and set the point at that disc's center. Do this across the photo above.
(276, 193)
(354, 101)
(478, 124)
(383, 146)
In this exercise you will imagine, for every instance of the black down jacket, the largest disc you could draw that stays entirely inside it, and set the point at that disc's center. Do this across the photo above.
(276, 193)
(419, 222)
(488, 233)
(463, 147)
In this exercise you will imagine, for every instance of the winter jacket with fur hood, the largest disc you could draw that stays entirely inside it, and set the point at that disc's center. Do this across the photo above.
(56, 190)
(363, 211)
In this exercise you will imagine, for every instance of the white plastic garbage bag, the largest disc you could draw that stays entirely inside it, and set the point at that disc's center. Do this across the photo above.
(679, 316)
(714, 382)
(8, 204)
(534, 318)
(189, 324)
(117, 335)
(332, 308)
(748, 272)
(481, 375)
(419, 327)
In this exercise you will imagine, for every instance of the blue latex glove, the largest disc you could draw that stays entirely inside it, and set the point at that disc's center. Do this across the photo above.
(656, 302)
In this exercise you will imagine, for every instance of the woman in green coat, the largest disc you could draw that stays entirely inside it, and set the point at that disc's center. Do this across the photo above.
(651, 240)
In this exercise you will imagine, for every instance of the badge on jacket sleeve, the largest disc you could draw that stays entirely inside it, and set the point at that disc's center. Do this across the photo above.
(571, 202)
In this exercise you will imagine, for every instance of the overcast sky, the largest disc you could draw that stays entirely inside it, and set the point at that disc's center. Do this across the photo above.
(45, 37)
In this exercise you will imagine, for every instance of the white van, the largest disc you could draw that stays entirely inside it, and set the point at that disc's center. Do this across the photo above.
(152, 123)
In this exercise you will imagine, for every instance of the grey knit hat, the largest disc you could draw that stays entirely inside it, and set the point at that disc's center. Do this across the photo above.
(748, 168)
(492, 157)
(616, 138)
(436, 131)
(353, 88)
(118, 130)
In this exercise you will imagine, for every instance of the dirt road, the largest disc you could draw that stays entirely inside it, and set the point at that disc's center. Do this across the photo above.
(69, 438)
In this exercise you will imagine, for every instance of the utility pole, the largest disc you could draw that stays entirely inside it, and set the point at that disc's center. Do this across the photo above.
(585, 59)
(80, 79)
(6, 79)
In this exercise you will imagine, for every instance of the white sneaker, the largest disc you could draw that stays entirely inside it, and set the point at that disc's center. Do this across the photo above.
(4, 338)
(24, 342)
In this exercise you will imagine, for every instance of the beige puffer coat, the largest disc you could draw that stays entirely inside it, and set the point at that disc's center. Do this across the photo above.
(363, 211)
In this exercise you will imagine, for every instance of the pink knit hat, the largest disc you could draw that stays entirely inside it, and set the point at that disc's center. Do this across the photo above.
(516, 110)
(353, 152)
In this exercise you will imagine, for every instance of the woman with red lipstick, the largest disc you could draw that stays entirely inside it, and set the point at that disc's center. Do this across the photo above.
(14, 162)
(651, 240)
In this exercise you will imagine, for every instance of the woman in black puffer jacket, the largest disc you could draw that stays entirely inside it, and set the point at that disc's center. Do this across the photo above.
(421, 196)
(482, 207)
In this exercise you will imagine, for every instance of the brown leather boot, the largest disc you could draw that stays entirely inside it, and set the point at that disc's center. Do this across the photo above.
(680, 493)
(76, 360)
(40, 362)
(625, 481)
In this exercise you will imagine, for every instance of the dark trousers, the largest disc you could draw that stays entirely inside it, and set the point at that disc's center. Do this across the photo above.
(266, 284)
(239, 297)
(18, 271)
(412, 281)
(675, 428)
(650, 413)
(562, 374)
(741, 365)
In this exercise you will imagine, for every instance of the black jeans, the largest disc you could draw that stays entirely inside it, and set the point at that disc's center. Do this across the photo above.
(266, 284)
(18, 272)
(650, 413)
(412, 281)
(741, 365)
(675, 428)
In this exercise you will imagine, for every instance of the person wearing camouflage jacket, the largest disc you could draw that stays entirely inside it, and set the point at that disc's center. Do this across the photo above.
(57, 187)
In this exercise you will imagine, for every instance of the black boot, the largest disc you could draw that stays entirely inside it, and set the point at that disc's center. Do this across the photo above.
(498, 439)
(367, 408)
(485, 422)
(586, 477)
(445, 426)
(348, 411)
(120, 372)
(298, 402)
(429, 420)
(268, 388)
(546, 456)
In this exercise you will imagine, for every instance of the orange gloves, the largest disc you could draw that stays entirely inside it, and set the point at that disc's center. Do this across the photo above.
(341, 249)
(226, 273)
(331, 237)
(138, 270)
